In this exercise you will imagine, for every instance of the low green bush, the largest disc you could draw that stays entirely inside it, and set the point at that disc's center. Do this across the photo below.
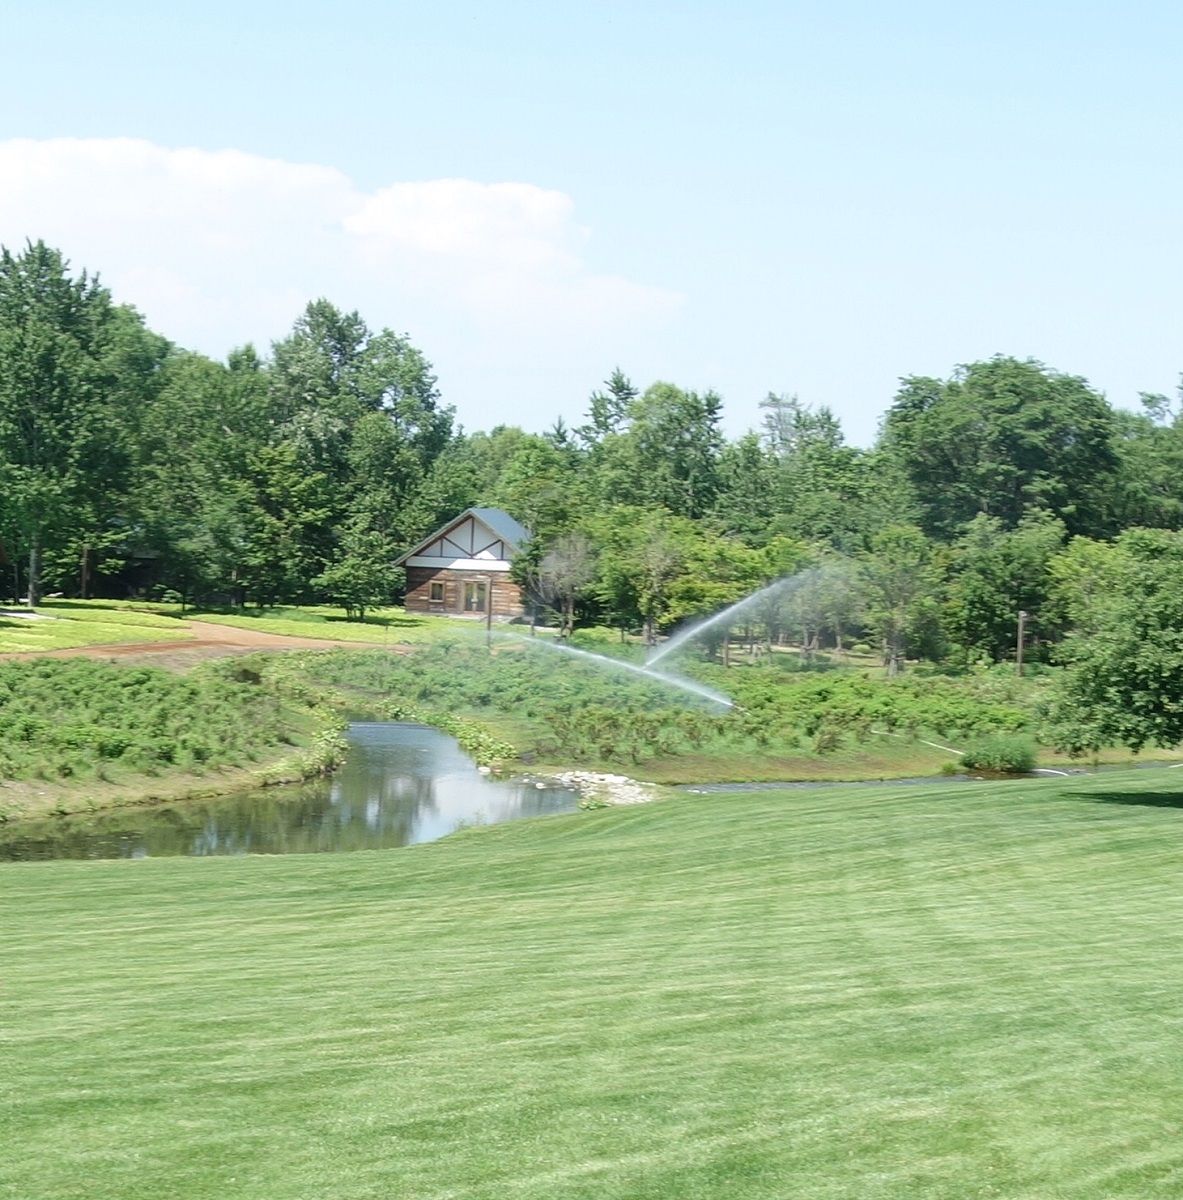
(70, 719)
(1006, 753)
(566, 707)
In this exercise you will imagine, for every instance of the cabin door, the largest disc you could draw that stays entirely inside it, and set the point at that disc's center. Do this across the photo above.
(475, 597)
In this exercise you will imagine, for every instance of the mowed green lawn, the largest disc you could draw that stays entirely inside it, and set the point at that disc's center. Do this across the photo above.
(86, 623)
(382, 626)
(943, 991)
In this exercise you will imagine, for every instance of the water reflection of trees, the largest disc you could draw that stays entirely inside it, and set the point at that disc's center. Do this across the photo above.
(388, 795)
(276, 821)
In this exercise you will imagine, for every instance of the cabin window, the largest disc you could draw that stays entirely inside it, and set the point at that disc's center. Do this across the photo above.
(436, 593)
(474, 597)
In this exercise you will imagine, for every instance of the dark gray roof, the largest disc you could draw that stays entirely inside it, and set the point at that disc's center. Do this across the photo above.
(503, 525)
(498, 520)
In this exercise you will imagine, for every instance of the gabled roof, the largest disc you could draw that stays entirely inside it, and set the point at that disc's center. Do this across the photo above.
(501, 523)
(498, 520)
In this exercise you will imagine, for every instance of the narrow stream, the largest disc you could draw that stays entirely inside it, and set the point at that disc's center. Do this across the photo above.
(402, 784)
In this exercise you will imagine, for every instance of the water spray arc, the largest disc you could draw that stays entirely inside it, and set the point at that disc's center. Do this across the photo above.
(774, 592)
(674, 681)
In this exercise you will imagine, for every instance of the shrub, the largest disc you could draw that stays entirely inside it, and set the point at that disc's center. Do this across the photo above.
(63, 719)
(1006, 753)
(827, 737)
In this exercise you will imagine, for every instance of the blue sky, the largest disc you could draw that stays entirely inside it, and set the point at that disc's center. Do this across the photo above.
(813, 198)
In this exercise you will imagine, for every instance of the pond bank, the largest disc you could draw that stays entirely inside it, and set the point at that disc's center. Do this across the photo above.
(602, 789)
(303, 700)
(29, 799)
(400, 785)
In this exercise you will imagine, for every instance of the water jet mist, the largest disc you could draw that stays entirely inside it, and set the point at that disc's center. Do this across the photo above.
(674, 681)
(772, 592)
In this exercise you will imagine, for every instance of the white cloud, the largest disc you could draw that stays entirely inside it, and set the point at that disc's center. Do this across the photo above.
(221, 247)
(499, 223)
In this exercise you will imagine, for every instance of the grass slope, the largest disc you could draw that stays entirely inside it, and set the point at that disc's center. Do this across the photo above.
(383, 626)
(108, 622)
(77, 735)
(86, 623)
(945, 991)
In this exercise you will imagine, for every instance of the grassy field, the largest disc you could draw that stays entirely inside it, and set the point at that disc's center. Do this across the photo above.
(943, 991)
(86, 623)
(109, 622)
(382, 626)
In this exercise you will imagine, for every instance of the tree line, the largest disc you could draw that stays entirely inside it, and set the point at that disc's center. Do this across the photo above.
(131, 466)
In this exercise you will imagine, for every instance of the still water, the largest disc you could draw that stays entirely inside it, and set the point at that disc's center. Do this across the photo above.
(401, 784)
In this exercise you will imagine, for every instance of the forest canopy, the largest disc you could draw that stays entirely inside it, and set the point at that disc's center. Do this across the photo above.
(130, 466)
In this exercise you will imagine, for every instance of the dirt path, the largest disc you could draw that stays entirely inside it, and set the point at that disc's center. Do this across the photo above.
(207, 641)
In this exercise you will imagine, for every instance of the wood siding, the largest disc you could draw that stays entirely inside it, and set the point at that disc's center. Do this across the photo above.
(507, 596)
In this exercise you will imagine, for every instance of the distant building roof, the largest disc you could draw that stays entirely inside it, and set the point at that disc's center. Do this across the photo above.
(502, 524)
(511, 532)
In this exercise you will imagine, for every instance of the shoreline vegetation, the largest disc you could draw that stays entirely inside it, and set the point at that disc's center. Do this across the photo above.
(82, 736)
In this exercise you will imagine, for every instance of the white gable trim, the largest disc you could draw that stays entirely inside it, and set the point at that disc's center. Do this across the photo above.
(469, 536)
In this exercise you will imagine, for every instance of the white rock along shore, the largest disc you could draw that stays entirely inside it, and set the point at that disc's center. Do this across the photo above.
(609, 789)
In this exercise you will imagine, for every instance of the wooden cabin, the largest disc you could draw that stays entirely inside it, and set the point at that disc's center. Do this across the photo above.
(462, 569)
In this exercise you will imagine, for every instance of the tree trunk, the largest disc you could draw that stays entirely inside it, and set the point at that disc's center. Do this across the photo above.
(35, 571)
(84, 574)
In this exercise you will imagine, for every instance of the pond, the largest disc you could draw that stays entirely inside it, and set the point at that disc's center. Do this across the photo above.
(401, 784)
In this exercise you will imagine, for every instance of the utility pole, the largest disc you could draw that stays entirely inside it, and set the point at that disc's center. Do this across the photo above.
(1019, 641)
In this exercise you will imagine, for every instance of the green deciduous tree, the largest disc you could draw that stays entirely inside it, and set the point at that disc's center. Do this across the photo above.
(664, 454)
(362, 411)
(1148, 489)
(1000, 437)
(678, 439)
(640, 554)
(1124, 677)
(823, 490)
(995, 574)
(362, 576)
(193, 505)
(287, 518)
(1080, 577)
(717, 572)
(540, 485)
(747, 481)
(899, 587)
(59, 400)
